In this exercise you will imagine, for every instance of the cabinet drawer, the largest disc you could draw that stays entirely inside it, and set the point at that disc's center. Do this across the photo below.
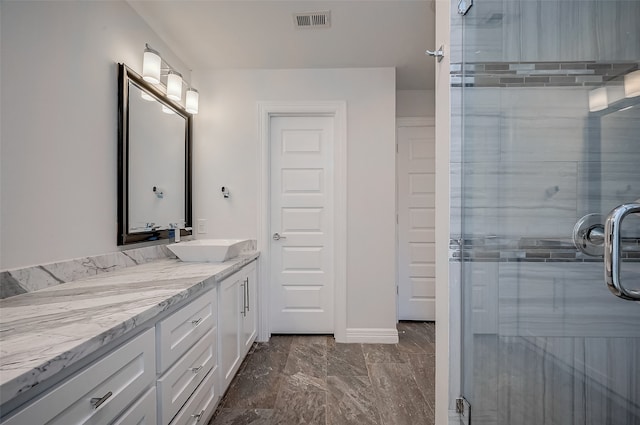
(143, 411)
(178, 332)
(176, 386)
(117, 378)
(201, 405)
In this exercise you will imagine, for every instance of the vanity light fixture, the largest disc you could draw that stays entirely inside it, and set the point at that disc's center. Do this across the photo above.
(632, 84)
(191, 102)
(598, 99)
(152, 71)
(151, 64)
(174, 85)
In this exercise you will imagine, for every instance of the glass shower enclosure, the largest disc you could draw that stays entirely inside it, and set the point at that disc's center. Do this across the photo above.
(545, 144)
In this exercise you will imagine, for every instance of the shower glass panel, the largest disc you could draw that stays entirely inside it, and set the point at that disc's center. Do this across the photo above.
(545, 137)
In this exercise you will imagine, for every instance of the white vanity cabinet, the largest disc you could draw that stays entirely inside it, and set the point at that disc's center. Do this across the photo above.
(187, 353)
(99, 393)
(172, 373)
(237, 320)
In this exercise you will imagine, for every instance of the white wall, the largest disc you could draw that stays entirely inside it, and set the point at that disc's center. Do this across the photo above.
(415, 103)
(226, 154)
(59, 125)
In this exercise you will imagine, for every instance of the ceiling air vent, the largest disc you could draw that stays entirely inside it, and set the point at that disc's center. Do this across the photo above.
(312, 19)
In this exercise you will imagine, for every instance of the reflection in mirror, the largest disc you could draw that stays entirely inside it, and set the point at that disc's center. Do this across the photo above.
(154, 162)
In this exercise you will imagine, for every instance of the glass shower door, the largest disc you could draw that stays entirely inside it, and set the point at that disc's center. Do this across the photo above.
(548, 144)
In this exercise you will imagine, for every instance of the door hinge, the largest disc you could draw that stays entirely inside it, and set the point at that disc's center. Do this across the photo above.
(463, 408)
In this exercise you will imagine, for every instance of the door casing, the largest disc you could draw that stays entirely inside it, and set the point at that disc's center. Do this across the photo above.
(338, 111)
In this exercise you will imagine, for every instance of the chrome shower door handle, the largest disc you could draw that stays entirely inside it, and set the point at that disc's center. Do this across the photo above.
(612, 248)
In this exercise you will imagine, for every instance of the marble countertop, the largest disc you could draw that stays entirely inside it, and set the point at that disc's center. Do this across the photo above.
(44, 332)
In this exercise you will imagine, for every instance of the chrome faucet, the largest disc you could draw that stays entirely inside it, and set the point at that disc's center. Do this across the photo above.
(176, 231)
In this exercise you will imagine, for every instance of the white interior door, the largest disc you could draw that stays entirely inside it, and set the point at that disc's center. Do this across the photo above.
(416, 223)
(302, 269)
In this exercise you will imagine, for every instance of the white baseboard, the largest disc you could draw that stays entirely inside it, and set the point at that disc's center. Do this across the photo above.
(372, 335)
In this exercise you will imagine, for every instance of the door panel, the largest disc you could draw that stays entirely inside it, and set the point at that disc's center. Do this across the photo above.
(301, 213)
(544, 340)
(416, 223)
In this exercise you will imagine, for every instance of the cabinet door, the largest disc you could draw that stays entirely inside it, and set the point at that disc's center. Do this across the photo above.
(230, 298)
(250, 317)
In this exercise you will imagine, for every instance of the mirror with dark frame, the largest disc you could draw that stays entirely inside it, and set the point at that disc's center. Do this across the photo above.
(154, 162)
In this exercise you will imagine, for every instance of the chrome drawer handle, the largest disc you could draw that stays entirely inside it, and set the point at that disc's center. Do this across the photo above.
(198, 416)
(195, 322)
(196, 369)
(97, 401)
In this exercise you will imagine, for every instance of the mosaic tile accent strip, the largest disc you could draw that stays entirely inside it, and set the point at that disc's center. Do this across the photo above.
(545, 74)
(530, 250)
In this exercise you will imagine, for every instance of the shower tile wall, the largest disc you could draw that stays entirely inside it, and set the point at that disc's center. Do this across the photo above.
(547, 31)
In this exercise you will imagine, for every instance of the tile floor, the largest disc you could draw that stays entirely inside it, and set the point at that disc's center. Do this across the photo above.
(295, 380)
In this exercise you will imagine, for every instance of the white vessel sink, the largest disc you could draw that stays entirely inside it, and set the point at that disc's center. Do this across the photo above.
(209, 250)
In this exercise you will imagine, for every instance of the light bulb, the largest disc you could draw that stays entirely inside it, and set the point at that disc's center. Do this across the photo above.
(174, 86)
(191, 103)
(151, 64)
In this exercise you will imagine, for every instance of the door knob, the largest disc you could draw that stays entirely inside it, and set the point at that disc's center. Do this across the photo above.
(277, 237)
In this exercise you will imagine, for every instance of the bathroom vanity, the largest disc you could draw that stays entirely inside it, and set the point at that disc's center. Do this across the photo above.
(156, 344)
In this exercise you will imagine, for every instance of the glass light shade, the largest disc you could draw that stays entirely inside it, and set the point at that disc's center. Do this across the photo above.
(174, 86)
(632, 84)
(151, 64)
(598, 99)
(167, 110)
(614, 94)
(191, 103)
(146, 96)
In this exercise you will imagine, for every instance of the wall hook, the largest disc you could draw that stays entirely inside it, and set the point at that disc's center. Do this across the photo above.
(225, 192)
(159, 193)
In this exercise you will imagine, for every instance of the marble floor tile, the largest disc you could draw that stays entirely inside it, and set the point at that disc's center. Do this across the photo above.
(345, 360)
(400, 401)
(351, 400)
(243, 417)
(295, 406)
(313, 380)
(423, 367)
(256, 384)
(307, 358)
(416, 337)
(383, 353)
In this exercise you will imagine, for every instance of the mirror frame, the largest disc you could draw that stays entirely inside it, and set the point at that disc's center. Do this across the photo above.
(125, 76)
